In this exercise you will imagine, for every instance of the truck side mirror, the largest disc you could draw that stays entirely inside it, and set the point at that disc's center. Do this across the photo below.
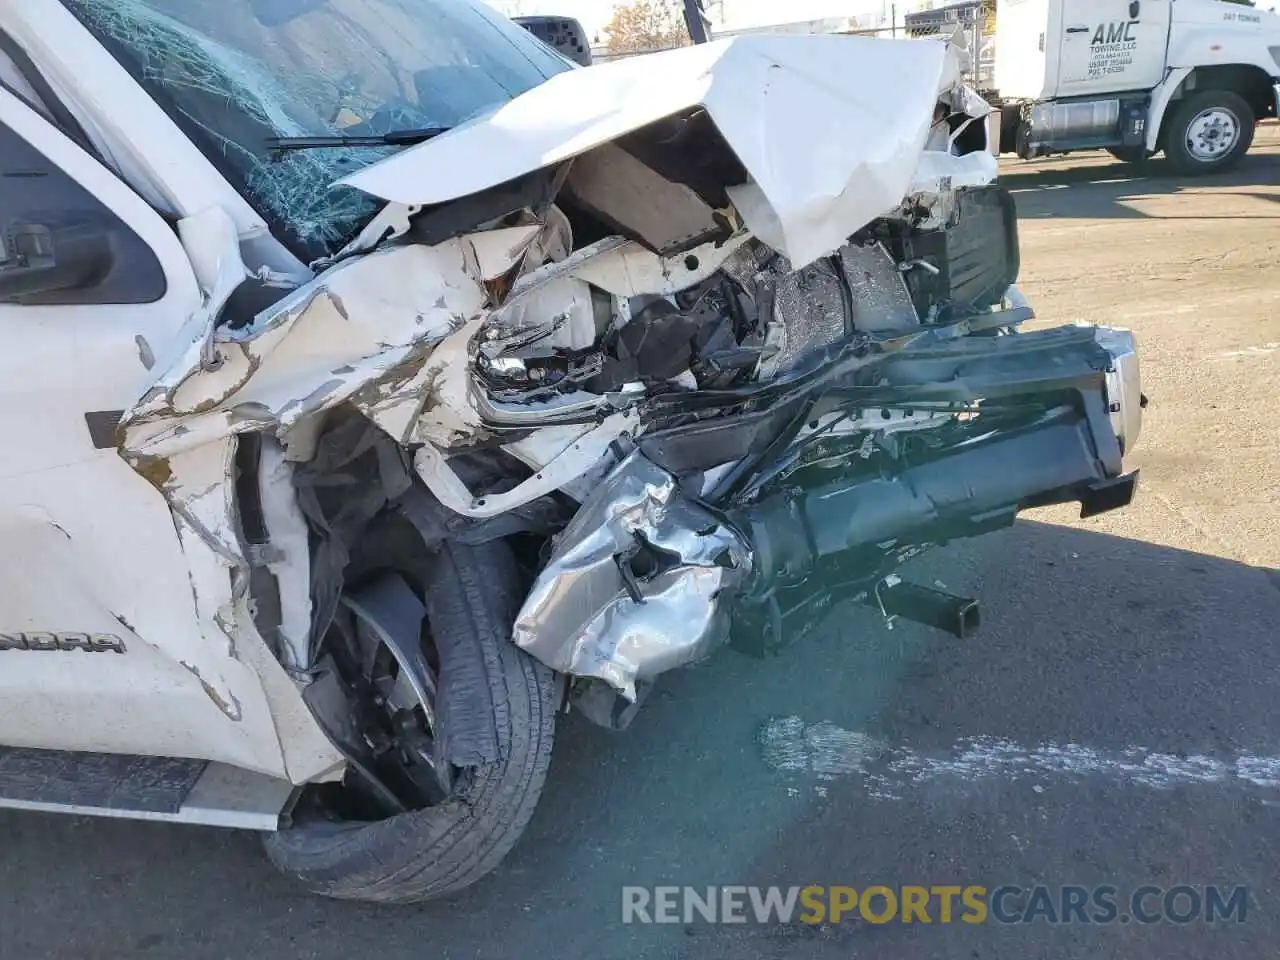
(66, 253)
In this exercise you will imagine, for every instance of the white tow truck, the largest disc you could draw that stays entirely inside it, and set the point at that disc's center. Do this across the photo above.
(1134, 77)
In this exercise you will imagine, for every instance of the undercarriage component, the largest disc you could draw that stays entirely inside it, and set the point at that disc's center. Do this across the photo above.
(895, 597)
(641, 579)
(1054, 127)
(1068, 123)
(978, 487)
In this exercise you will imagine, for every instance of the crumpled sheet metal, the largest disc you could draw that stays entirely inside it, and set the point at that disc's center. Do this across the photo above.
(829, 129)
(362, 331)
(580, 619)
(881, 300)
(358, 324)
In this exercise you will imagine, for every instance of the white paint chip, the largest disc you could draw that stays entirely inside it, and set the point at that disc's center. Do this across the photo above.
(827, 751)
(1260, 771)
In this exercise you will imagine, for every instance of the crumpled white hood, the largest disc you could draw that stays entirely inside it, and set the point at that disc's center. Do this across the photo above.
(830, 129)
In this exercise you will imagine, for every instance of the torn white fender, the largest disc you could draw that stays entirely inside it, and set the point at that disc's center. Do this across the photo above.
(363, 321)
(360, 331)
(365, 325)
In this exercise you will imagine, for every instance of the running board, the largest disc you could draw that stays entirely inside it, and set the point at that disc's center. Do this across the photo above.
(141, 788)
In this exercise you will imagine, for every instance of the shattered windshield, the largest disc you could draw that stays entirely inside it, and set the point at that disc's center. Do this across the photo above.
(236, 74)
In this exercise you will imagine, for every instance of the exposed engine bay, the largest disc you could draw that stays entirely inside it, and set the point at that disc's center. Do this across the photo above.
(756, 317)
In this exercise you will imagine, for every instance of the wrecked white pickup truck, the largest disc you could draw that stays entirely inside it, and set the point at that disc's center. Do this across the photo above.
(380, 384)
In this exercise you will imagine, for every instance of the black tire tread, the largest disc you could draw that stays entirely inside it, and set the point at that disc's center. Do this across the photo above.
(438, 851)
(1174, 149)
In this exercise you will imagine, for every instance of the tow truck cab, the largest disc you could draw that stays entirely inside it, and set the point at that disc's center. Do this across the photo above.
(1189, 77)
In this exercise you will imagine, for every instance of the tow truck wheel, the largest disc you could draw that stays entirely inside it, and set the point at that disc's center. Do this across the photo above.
(1209, 132)
(455, 824)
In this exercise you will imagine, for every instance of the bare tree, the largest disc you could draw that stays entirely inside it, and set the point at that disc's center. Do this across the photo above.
(645, 25)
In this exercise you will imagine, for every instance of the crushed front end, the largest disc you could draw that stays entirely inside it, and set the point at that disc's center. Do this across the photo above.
(695, 346)
(747, 506)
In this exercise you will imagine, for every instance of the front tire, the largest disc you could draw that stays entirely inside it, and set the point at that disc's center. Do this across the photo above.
(472, 596)
(1209, 132)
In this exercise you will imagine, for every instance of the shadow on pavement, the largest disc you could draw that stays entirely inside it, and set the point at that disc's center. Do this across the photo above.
(1093, 191)
(1088, 638)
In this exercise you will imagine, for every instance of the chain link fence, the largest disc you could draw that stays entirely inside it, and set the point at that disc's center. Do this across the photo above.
(976, 20)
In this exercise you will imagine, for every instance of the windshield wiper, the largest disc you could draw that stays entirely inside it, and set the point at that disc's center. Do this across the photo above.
(279, 146)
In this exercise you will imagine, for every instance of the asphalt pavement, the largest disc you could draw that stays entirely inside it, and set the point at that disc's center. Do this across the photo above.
(1114, 723)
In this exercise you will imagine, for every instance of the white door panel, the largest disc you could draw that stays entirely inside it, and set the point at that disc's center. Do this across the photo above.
(1110, 46)
(91, 547)
(140, 701)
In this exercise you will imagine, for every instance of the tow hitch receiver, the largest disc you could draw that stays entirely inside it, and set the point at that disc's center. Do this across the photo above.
(895, 597)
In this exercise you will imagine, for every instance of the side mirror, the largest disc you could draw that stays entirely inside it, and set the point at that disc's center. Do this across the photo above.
(69, 253)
